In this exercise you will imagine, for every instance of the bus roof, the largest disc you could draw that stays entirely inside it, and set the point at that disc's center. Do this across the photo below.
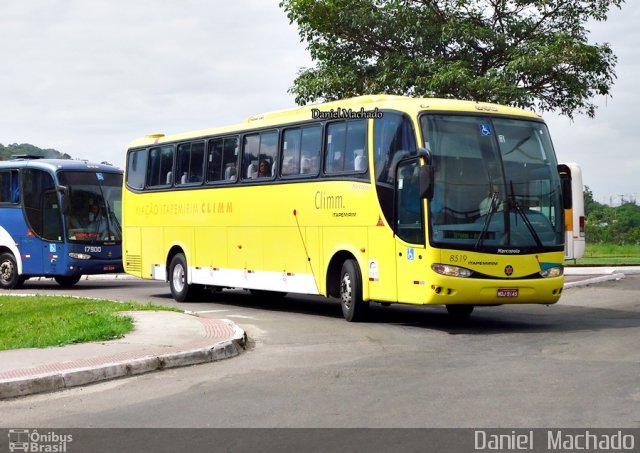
(368, 102)
(54, 165)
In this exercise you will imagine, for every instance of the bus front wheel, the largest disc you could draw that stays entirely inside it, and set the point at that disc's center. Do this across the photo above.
(67, 282)
(9, 278)
(180, 289)
(353, 307)
(460, 311)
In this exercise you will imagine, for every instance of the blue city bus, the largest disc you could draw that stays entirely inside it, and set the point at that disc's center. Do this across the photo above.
(58, 218)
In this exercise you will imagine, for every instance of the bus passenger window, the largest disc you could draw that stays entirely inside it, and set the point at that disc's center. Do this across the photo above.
(160, 165)
(259, 155)
(346, 141)
(221, 159)
(291, 152)
(190, 162)
(5, 187)
(310, 150)
(136, 168)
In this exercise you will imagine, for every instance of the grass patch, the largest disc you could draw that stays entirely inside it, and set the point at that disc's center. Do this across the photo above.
(41, 321)
(609, 255)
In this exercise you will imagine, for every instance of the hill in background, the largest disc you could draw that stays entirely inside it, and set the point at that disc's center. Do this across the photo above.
(6, 152)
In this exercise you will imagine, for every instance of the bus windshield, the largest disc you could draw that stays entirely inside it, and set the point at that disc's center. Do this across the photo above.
(496, 183)
(95, 210)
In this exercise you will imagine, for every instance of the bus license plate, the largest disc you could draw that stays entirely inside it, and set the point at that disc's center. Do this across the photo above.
(508, 292)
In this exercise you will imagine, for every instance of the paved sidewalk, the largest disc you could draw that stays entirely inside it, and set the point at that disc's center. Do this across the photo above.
(161, 339)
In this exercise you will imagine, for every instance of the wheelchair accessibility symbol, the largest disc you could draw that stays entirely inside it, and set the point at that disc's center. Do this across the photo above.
(485, 130)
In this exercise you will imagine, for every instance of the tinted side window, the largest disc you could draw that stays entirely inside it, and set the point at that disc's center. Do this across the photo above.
(9, 189)
(393, 139)
(41, 204)
(160, 167)
(301, 151)
(259, 155)
(222, 159)
(345, 147)
(136, 168)
(190, 165)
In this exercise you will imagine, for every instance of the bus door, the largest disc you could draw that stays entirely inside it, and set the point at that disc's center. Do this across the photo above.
(53, 252)
(411, 259)
(42, 246)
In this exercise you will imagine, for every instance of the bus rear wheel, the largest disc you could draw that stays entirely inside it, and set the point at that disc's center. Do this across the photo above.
(460, 311)
(180, 289)
(67, 282)
(9, 278)
(353, 307)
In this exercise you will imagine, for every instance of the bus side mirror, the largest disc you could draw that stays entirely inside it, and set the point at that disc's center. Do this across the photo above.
(64, 199)
(426, 175)
(565, 184)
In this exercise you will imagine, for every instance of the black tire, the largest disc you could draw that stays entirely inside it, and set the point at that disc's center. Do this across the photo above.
(67, 282)
(9, 277)
(354, 309)
(460, 311)
(275, 295)
(180, 289)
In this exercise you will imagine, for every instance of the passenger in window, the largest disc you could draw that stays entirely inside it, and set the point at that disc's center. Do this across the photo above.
(97, 222)
(264, 169)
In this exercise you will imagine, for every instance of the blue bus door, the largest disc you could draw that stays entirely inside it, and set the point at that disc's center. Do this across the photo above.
(53, 247)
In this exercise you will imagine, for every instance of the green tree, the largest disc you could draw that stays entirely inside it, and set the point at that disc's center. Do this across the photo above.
(590, 204)
(527, 53)
(7, 152)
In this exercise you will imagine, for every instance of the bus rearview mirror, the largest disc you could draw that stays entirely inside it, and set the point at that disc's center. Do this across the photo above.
(64, 199)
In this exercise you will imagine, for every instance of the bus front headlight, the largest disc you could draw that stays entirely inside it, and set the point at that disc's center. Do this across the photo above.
(450, 270)
(79, 256)
(556, 271)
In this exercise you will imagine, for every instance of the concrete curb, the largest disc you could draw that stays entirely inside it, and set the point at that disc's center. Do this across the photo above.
(602, 270)
(589, 281)
(11, 388)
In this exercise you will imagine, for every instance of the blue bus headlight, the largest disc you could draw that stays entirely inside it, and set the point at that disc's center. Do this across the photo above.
(556, 271)
(451, 271)
(80, 256)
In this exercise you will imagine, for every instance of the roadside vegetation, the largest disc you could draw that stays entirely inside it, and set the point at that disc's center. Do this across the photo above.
(613, 233)
(41, 321)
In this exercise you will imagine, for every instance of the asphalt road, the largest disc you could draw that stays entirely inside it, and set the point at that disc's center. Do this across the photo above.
(575, 364)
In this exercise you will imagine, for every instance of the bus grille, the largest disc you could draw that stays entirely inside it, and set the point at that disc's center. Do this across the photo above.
(133, 263)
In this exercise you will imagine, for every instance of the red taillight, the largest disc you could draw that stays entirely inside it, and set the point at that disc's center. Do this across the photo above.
(582, 226)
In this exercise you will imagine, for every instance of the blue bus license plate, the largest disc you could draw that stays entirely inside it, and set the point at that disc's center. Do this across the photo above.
(508, 292)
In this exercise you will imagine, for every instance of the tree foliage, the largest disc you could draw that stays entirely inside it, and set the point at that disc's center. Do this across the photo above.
(527, 53)
(7, 152)
(605, 224)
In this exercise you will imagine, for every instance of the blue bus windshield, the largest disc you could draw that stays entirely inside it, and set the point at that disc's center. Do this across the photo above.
(95, 211)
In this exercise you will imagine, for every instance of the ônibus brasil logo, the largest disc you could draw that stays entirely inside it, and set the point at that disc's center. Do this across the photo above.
(32, 441)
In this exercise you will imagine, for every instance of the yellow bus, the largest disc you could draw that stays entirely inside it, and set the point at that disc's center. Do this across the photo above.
(379, 198)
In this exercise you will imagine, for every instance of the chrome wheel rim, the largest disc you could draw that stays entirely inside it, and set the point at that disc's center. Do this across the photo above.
(178, 278)
(346, 291)
(6, 271)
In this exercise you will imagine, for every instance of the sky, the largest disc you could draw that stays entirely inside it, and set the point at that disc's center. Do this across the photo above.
(86, 78)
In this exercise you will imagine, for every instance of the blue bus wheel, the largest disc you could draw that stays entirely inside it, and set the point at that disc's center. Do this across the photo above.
(67, 282)
(9, 278)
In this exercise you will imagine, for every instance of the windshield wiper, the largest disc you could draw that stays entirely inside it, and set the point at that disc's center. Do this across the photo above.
(514, 203)
(113, 216)
(493, 207)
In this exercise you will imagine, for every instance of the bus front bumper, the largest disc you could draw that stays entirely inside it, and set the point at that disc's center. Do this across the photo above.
(92, 267)
(472, 291)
